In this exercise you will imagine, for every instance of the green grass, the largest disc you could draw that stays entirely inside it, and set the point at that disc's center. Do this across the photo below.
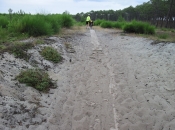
(35, 25)
(163, 36)
(51, 54)
(35, 78)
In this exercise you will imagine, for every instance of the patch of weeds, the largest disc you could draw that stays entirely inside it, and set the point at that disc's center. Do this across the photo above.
(3, 35)
(39, 41)
(2, 47)
(35, 78)
(51, 54)
(162, 36)
(164, 29)
(173, 30)
(18, 49)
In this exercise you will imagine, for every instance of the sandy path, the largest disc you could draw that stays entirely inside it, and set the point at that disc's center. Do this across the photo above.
(115, 82)
(89, 103)
(144, 83)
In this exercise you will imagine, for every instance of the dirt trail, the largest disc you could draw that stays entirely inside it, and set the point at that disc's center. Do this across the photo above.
(88, 105)
(117, 82)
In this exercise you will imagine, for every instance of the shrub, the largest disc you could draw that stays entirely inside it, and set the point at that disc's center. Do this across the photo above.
(36, 26)
(106, 24)
(39, 25)
(15, 27)
(55, 22)
(3, 35)
(118, 24)
(120, 19)
(139, 27)
(51, 54)
(129, 27)
(149, 29)
(66, 20)
(3, 21)
(35, 78)
(98, 22)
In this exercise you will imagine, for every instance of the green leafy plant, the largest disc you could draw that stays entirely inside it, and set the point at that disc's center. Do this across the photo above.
(35, 78)
(51, 54)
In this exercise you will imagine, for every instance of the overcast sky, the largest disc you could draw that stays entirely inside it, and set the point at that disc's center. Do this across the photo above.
(59, 6)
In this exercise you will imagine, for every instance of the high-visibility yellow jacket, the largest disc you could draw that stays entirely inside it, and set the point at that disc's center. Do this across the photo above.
(88, 18)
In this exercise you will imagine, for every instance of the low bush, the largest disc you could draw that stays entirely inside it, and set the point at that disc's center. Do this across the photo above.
(3, 21)
(129, 27)
(51, 54)
(118, 25)
(139, 27)
(106, 24)
(35, 78)
(149, 29)
(66, 20)
(36, 26)
(3, 35)
(98, 22)
(55, 22)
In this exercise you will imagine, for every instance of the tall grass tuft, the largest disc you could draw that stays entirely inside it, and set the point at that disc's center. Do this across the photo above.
(51, 54)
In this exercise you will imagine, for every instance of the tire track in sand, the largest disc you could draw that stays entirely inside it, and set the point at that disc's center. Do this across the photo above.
(97, 47)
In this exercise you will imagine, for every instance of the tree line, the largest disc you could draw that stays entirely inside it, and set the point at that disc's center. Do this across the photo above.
(160, 13)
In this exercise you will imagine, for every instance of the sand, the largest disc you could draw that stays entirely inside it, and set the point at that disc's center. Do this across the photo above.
(112, 82)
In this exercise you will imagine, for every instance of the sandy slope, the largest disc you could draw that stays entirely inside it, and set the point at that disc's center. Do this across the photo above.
(112, 82)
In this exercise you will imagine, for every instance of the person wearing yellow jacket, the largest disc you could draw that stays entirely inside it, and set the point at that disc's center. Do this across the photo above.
(88, 19)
